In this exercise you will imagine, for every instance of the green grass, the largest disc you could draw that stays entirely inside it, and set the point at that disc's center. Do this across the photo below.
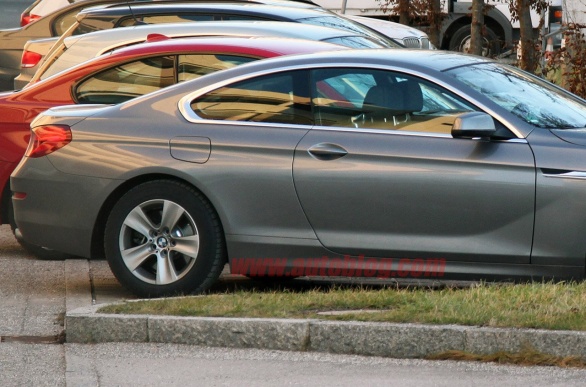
(556, 306)
(526, 357)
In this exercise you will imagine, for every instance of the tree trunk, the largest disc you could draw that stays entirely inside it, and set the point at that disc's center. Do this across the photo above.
(435, 22)
(404, 12)
(476, 38)
(528, 60)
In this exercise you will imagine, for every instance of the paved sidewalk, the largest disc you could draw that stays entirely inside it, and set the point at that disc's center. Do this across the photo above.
(84, 324)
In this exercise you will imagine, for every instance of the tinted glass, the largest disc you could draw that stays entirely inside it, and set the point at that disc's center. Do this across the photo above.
(196, 65)
(349, 25)
(535, 101)
(275, 98)
(127, 81)
(365, 98)
(158, 19)
(64, 21)
(355, 42)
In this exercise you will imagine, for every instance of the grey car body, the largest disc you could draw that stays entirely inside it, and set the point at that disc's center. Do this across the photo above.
(12, 41)
(466, 168)
(78, 48)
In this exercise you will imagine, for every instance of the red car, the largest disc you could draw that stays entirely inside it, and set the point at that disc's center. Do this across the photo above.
(121, 75)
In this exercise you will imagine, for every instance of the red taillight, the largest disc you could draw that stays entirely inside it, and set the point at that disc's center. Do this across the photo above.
(27, 18)
(47, 139)
(30, 59)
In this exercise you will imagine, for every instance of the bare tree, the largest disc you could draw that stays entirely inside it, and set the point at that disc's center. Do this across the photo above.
(476, 38)
(435, 18)
(422, 12)
(403, 11)
(521, 11)
(528, 60)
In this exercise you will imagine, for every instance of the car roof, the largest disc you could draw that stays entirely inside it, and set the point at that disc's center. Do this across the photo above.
(262, 47)
(252, 27)
(417, 60)
(96, 43)
(122, 10)
(243, 45)
(96, 18)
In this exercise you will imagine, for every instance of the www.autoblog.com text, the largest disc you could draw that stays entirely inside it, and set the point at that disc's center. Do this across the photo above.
(348, 266)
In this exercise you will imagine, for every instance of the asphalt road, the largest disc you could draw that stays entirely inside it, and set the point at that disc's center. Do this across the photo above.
(10, 11)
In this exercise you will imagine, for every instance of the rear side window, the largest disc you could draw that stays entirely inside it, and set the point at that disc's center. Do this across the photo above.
(127, 81)
(195, 65)
(130, 80)
(276, 98)
(64, 21)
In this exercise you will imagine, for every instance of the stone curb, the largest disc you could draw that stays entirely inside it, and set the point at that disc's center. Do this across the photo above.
(85, 325)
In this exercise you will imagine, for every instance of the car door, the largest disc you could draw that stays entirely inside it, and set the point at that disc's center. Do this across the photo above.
(381, 176)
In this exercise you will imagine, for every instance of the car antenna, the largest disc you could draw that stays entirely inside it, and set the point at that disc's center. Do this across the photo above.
(136, 21)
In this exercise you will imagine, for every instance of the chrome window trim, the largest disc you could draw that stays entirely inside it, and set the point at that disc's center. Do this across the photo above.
(406, 133)
(184, 103)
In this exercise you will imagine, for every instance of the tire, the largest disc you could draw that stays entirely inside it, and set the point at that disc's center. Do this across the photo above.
(460, 41)
(184, 254)
(37, 251)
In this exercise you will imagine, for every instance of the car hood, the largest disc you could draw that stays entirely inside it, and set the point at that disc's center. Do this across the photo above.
(573, 136)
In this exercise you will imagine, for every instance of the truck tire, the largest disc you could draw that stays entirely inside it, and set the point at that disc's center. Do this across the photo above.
(460, 41)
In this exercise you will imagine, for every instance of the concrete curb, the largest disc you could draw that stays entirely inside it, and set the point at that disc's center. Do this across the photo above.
(85, 325)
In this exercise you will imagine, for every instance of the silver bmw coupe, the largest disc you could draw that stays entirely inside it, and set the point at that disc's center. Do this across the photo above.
(385, 163)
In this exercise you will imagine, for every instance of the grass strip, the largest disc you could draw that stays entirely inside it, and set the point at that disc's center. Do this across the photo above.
(526, 357)
(554, 306)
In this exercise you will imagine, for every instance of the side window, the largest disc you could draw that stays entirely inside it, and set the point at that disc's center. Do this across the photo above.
(195, 65)
(383, 100)
(127, 81)
(275, 98)
(62, 22)
(159, 19)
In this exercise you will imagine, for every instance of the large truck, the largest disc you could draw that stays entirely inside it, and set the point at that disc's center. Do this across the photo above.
(501, 33)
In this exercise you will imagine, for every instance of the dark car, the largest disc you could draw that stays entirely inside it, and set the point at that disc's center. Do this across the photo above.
(406, 163)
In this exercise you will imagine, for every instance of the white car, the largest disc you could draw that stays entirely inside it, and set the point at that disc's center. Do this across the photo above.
(78, 48)
(410, 37)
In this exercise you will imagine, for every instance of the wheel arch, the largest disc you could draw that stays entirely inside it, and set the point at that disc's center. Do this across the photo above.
(97, 241)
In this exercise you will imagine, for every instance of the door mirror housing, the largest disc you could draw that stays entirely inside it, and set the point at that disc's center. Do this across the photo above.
(473, 124)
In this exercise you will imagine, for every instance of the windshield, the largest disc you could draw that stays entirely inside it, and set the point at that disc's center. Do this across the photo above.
(530, 98)
(348, 25)
(354, 42)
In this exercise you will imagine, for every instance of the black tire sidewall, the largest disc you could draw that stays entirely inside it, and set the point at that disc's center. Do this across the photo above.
(465, 31)
(202, 274)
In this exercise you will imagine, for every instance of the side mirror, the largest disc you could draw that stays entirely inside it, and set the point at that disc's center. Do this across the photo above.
(473, 124)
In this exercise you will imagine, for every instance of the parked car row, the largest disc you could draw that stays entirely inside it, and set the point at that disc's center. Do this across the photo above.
(26, 47)
(284, 156)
